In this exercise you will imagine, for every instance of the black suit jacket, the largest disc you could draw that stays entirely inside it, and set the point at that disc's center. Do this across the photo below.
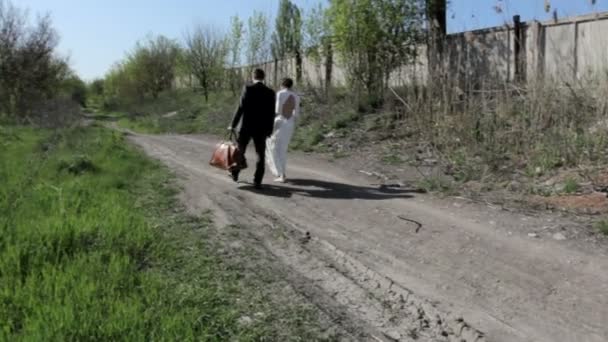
(256, 109)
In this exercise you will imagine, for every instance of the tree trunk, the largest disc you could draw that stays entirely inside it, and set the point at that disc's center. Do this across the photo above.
(436, 16)
(329, 63)
(298, 67)
(276, 73)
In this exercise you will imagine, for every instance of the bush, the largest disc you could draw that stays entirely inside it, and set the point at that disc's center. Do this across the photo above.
(77, 165)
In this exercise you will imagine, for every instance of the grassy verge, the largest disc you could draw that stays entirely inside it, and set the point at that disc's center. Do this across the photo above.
(185, 111)
(182, 111)
(92, 248)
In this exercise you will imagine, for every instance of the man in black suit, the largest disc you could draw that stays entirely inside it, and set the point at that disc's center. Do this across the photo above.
(257, 112)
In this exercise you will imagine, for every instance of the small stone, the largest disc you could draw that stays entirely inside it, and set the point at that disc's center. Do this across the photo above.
(330, 135)
(515, 186)
(236, 245)
(394, 335)
(245, 320)
(533, 235)
(559, 237)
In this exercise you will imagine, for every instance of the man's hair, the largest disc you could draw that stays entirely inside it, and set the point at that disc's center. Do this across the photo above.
(287, 83)
(258, 74)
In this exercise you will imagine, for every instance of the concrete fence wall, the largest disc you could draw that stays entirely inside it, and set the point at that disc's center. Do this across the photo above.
(558, 51)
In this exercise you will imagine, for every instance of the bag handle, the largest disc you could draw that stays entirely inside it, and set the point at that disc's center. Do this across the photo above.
(231, 135)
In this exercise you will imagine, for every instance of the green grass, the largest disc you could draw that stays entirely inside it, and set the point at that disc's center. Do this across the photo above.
(392, 159)
(602, 227)
(344, 119)
(190, 113)
(92, 248)
(307, 138)
(571, 186)
(436, 183)
(340, 155)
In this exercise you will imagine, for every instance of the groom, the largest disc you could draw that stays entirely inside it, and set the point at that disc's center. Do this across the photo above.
(256, 110)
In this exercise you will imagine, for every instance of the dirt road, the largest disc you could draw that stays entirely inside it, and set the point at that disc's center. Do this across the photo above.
(401, 266)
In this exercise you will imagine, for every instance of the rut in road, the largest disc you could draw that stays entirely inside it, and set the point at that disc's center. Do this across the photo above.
(359, 252)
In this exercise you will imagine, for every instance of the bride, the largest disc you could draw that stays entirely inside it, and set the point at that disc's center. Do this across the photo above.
(287, 110)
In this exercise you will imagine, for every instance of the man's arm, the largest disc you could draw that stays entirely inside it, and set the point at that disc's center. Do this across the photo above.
(239, 110)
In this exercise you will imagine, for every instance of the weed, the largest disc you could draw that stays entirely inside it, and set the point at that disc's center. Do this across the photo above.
(602, 227)
(392, 159)
(344, 119)
(307, 138)
(340, 155)
(436, 184)
(77, 165)
(571, 186)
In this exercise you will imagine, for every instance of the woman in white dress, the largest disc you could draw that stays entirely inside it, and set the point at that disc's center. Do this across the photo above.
(287, 110)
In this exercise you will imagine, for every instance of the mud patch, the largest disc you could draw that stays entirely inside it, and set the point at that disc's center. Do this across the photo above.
(593, 204)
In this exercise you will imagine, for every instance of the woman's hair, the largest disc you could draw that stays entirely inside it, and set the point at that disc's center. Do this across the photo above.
(287, 83)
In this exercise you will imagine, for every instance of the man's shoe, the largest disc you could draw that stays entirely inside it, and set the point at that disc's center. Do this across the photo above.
(257, 186)
(234, 176)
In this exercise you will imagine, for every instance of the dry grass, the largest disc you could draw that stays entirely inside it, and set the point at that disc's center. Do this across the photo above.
(536, 128)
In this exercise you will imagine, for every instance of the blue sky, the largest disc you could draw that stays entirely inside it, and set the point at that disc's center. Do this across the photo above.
(464, 15)
(97, 33)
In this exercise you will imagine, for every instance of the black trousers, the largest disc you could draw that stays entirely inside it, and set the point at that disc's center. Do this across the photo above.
(260, 148)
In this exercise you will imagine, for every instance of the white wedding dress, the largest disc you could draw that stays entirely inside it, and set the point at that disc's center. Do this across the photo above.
(277, 144)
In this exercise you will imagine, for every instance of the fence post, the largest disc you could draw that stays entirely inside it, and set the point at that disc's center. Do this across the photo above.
(535, 58)
(575, 52)
(517, 49)
(276, 72)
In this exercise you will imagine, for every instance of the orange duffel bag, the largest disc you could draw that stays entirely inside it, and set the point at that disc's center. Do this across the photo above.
(227, 155)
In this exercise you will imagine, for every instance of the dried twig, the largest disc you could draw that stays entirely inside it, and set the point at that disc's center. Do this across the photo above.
(400, 99)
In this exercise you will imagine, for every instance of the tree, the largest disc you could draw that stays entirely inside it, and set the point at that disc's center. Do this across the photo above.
(30, 70)
(436, 18)
(237, 32)
(206, 52)
(96, 87)
(287, 37)
(316, 31)
(119, 85)
(257, 39)
(74, 88)
(153, 65)
(317, 43)
(374, 37)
